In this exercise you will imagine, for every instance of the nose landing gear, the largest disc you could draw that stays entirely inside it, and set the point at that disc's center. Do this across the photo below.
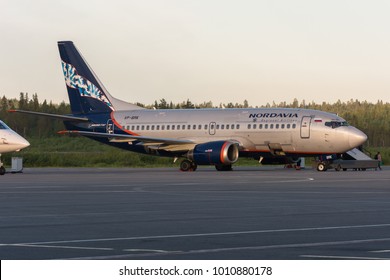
(2, 169)
(322, 166)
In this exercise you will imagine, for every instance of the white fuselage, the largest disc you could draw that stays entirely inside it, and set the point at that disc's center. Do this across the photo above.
(287, 131)
(10, 141)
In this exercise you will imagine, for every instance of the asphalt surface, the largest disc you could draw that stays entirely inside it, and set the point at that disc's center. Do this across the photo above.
(250, 213)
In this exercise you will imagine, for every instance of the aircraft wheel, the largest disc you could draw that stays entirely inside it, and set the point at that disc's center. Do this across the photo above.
(221, 167)
(338, 168)
(187, 165)
(194, 166)
(2, 170)
(321, 166)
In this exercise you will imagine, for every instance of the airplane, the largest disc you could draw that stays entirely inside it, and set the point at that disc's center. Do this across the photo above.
(10, 141)
(199, 136)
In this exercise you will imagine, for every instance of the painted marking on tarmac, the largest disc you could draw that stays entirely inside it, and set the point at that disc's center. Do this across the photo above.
(59, 247)
(342, 257)
(247, 248)
(380, 251)
(149, 251)
(192, 235)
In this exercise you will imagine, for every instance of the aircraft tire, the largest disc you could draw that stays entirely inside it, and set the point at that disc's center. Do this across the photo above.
(2, 170)
(194, 166)
(221, 167)
(321, 166)
(186, 165)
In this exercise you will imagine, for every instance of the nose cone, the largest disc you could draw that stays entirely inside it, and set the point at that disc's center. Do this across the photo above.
(17, 143)
(356, 138)
(23, 143)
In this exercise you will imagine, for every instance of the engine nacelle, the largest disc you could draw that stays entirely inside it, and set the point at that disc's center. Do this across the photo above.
(212, 153)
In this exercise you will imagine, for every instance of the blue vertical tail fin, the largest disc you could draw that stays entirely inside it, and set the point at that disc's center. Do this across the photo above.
(87, 95)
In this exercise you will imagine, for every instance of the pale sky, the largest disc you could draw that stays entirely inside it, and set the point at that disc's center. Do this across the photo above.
(212, 50)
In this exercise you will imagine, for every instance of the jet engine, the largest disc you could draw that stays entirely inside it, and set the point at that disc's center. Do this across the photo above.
(214, 153)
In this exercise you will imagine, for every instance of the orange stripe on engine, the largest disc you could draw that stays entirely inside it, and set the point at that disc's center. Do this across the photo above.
(221, 154)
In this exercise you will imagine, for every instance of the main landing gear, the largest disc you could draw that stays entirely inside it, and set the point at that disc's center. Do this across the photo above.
(222, 167)
(187, 165)
(2, 169)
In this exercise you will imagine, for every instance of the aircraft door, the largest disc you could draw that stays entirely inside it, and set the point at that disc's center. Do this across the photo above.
(305, 127)
(212, 128)
(110, 126)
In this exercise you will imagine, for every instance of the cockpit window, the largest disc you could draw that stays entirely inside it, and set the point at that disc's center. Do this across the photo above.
(336, 124)
(3, 125)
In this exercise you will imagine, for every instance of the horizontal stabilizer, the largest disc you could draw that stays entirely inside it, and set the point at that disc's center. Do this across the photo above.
(60, 117)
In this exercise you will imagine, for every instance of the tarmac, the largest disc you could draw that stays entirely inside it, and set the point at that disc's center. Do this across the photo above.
(258, 213)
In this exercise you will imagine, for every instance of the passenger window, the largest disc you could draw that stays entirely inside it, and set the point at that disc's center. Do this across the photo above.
(152, 127)
(183, 127)
(249, 126)
(266, 126)
(237, 126)
(132, 127)
(288, 126)
(168, 127)
(261, 126)
(205, 126)
(227, 126)
(194, 127)
(147, 127)
(143, 127)
(294, 125)
(277, 126)
(200, 127)
(271, 126)
(217, 126)
(254, 126)
(282, 125)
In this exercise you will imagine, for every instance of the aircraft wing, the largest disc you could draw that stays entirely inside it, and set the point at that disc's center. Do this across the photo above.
(130, 138)
(61, 117)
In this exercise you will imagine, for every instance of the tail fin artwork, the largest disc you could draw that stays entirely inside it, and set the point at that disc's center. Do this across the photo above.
(87, 95)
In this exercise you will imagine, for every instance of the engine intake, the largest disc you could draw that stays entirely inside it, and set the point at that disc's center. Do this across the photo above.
(212, 153)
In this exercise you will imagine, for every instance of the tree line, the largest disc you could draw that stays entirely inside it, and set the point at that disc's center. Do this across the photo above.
(373, 119)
